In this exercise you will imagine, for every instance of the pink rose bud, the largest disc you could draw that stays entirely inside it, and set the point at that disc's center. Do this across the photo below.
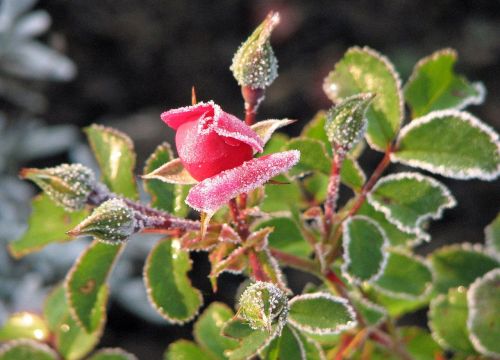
(210, 140)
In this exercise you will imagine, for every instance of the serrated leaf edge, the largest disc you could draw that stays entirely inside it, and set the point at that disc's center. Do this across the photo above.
(405, 296)
(68, 293)
(451, 202)
(470, 173)
(28, 342)
(115, 351)
(372, 306)
(346, 239)
(476, 342)
(479, 86)
(392, 70)
(149, 289)
(319, 331)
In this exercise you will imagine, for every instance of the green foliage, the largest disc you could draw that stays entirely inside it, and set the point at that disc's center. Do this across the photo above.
(45, 229)
(286, 236)
(448, 320)
(483, 320)
(24, 325)
(169, 289)
(114, 151)
(112, 354)
(85, 285)
(186, 350)
(363, 70)
(71, 340)
(365, 248)
(450, 143)
(26, 349)
(321, 313)
(492, 235)
(405, 276)
(459, 265)
(434, 85)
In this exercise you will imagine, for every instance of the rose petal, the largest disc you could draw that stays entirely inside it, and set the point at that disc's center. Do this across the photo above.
(212, 193)
(176, 117)
(230, 126)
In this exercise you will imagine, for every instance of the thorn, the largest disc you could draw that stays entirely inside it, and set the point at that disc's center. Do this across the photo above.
(193, 96)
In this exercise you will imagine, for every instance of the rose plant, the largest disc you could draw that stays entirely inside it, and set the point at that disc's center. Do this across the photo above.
(267, 201)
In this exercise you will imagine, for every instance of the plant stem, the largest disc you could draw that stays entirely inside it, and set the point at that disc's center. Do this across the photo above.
(333, 189)
(296, 262)
(385, 340)
(256, 267)
(253, 98)
(238, 219)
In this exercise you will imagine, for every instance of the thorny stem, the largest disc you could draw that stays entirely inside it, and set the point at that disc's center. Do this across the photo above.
(253, 98)
(161, 221)
(377, 173)
(238, 219)
(333, 189)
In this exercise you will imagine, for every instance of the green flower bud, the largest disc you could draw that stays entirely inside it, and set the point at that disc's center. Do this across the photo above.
(262, 304)
(112, 222)
(68, 185)
(254, 64)
(346, 123)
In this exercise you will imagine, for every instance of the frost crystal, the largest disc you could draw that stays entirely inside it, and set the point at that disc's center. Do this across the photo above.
(68, 185)
(255, 64)
(346, 122)
(262, 304)
(113, 221)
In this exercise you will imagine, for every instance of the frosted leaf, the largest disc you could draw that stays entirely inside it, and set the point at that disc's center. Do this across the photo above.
(212, 193)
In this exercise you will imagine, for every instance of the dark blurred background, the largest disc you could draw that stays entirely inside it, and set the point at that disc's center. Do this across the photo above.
(136, 58)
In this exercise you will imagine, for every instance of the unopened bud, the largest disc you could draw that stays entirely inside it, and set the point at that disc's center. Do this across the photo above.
(68, 185)
(262, 304)
(254, 64)
(346, 123)
(112, 222)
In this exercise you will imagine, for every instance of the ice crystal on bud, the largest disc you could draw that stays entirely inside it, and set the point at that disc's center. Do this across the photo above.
(346, 123)
(262, 304)
(112, 222)
(255, 64)
(68, 185)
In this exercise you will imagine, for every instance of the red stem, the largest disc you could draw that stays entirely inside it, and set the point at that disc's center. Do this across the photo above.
(333, 189)
(255, 265)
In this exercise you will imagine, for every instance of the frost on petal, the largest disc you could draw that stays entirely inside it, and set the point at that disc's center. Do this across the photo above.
(212, 193)
(176, 117)
(230, 126)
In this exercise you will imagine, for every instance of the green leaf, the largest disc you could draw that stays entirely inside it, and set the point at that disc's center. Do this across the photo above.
(185, 350)
(71, 340)
(396, 236)
(321, 313)
(208, 328)
(168, 286)
(363, 70)
(270, 269)
(275, 144)
(86, 282)
(282, 197)
(114, 151)
(434, 85)
(351, 174)
(492, 235)
(459, 265)
(312, 349)
(24, 325)
(396, 306)
(251, 341)
(315, 129)
(164, 196)
(448, 320)
(112, 354)
(405, 276)
(419, 343)
(372, 314)
(407, 199)
(483, 321)
(47, 224)
(365, 248)
(313, 156)
(26, 349)
(288, 346)
(286, 236)
(451, 143)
